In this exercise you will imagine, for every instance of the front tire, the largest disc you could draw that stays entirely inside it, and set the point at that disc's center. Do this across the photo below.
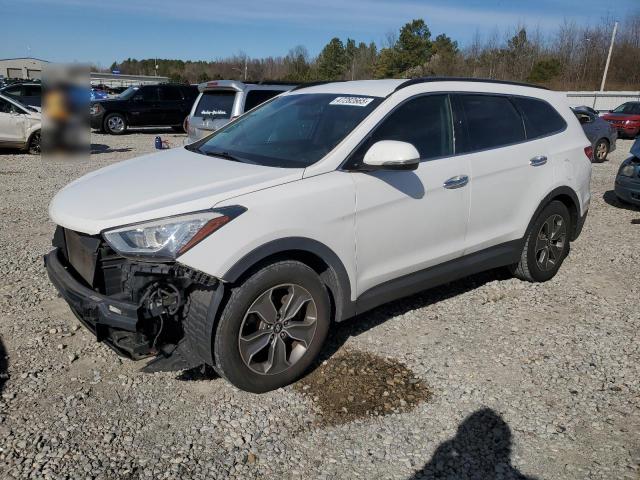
(546, 245)
(34, 144)
(601, 150)
(115, 124)
(272, 328)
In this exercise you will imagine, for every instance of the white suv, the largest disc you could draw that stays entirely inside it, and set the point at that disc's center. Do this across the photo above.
(241, 250)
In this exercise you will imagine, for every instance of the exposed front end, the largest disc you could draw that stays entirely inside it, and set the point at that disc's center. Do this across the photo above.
(135, 307)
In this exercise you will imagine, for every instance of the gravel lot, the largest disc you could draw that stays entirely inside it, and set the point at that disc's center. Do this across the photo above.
(487, 377)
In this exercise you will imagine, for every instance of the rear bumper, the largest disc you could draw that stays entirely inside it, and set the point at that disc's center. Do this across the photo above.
(114, 322)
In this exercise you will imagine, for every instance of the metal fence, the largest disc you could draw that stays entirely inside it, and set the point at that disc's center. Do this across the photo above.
(602, 101)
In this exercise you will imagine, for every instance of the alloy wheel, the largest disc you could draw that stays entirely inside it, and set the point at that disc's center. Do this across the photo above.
(116, 124)
(601, 151)
(550, 242)
(277, 329)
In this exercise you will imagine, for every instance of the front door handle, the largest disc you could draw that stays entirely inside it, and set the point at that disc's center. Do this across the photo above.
(456, 182)
(538, 161)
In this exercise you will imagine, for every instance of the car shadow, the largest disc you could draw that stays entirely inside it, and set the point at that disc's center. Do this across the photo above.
(98, 148)
(138, 130)
(481, 449)
(612, 199)
(341, 332)
(4, 366)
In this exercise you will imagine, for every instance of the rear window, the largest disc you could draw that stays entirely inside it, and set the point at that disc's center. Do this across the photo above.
(540, 118)
(256, 97)
(491, 122)
(215, 104)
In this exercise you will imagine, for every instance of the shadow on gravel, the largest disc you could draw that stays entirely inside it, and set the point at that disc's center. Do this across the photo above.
(98, 148)
(611, 198)
(481, 449)
(341, 332)
(4, 366)
(198, 374)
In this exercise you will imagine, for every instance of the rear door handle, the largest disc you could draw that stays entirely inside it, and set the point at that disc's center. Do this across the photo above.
(538, 161)
(456, 182)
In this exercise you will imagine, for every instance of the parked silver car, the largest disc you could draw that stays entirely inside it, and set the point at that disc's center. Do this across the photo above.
(599, 132)
(220, 101)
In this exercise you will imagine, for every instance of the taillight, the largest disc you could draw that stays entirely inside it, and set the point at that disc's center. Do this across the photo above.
(588, 151)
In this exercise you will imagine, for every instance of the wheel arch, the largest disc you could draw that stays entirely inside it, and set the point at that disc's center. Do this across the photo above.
(316, 255)
(569, 198)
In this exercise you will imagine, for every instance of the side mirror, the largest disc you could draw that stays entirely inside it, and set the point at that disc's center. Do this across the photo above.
(585, 119)
(392, 155)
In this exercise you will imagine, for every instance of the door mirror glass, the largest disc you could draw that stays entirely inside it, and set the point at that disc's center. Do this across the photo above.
(584, 118)
(392, 155)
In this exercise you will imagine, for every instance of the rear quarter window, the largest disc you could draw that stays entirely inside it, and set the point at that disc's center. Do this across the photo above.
(215, 105)
(256, 97)
(540, 118)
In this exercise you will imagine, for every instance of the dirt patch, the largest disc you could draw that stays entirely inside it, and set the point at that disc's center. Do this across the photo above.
(356, 384)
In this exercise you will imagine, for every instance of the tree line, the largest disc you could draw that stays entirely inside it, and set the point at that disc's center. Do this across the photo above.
(571, 58)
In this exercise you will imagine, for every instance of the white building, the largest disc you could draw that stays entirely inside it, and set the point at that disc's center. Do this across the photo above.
(24, 68)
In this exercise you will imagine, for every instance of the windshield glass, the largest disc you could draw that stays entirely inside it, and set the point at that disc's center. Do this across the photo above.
(293, 131)
(128, 93)
(215, 105)
(629, 107)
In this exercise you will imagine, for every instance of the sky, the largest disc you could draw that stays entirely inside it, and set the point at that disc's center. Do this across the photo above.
(103, 31)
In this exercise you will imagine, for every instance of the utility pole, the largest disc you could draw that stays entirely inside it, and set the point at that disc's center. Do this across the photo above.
(606, 67)
(246, 66)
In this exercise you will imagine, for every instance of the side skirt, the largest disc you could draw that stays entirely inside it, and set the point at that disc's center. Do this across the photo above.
(493, 257)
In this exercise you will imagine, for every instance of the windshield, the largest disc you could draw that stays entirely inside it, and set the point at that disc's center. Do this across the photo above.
(215, 105)
(293, 131)
(629, 107)
(128, 93)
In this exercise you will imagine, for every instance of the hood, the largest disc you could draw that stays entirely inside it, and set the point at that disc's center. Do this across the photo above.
(159, 185)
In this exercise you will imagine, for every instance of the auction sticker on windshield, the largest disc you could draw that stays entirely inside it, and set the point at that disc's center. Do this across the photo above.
(352, 101)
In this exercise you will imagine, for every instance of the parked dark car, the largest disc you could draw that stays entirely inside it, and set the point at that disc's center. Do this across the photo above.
(27, 93)
(627, 185)
(147, 105)
(600, 133)
(626, 119)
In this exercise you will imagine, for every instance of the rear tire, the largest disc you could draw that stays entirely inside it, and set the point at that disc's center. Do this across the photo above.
(601, 150)
(272, 328)
(546, 245)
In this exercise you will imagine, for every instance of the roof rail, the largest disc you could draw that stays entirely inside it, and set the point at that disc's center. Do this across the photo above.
(415, 81)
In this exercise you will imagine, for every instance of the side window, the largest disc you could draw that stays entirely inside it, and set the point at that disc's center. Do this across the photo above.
(540, 118)
(32, 90)
(490, 121)
(149, 94)
(256, 97)
(15, 91)
(6, 107)
(170, 94)
(425, 122)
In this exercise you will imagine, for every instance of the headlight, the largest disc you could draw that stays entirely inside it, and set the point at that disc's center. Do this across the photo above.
(628, 170)
(168, 238)
(94, 109)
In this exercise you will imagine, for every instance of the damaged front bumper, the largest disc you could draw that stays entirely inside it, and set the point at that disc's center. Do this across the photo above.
(112, 321)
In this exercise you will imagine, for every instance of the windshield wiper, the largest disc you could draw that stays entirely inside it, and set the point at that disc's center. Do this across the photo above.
(225, 155)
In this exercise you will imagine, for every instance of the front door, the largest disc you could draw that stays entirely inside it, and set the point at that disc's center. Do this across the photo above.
(407, 221)
(13, 123)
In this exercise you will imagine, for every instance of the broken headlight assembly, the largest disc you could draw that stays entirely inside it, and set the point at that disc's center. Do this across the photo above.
(167, 238)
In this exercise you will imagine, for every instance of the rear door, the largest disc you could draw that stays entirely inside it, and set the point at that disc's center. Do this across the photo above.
(510, 166)
(170, 105)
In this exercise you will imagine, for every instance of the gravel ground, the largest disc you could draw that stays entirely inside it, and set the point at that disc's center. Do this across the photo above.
(487, 377)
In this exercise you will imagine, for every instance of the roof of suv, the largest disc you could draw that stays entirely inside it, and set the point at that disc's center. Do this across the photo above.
(241, 86)
(383, 88)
